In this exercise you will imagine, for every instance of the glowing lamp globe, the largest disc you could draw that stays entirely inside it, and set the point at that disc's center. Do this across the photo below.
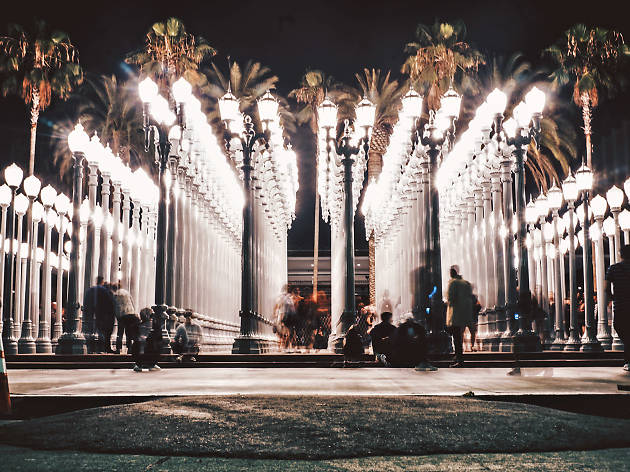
(510, 126)
(609, 227)
(531, 213)
(615, 198)
(584, 178)
(148, 90)
(107, 163)
(522, 115)
(570, 189)
(450, 103)
(38, 211)
(52, 218)
(599, 206)
(94, 151)
(85, 212)
(109, 223)
(5, 195)
(13, 175)
(580, 212)
(32, 186)
(580, 238)
(21, 204)
(554, 197)
(181, 90)
(624, 220)
(626, 187)
(175, 133)
(548, 232)
(412, 104)
(497, 100)
(267, 107)
(78, 140)
(542, 205)
(48, 195)
(62, 203)
(366, 111)
(229, 107)
(535, 100)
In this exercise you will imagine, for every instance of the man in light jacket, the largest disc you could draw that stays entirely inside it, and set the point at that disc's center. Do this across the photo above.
(460, 312)
(128, 319)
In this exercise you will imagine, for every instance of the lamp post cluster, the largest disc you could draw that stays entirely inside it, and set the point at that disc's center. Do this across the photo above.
(112, 235)
(402, 209)
(342, 164)
(199, 228)
(267, 168)
(560, 239)
(483, 190)
(26, 267)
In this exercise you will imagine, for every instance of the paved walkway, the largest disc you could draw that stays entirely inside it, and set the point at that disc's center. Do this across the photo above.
(316, 381)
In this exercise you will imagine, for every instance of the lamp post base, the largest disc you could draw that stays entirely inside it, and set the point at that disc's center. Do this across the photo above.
(590, 343)
(558, 344)
(71, 343)
(244, 344)
(605, 340)
(26, 346)
(159, 328)
(43, 346)
(573, 343)
(527, 341)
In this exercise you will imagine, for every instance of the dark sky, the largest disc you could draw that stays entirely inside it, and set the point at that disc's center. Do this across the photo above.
(289, 36)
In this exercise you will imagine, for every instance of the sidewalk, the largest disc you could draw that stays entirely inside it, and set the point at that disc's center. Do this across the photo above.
(318, 381)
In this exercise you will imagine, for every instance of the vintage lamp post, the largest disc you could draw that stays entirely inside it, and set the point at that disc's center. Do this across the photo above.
(73, 341)
(599, 206)
(589, 342)
(250, 140)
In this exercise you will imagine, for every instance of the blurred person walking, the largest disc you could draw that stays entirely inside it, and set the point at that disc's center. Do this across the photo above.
(98, 305)
(128, 319)
(618, 287)
(460, 312)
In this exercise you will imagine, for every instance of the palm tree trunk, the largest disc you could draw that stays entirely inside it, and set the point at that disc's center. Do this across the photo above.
(375, 165)
(586, 117)
(34, 120)
(316, 236)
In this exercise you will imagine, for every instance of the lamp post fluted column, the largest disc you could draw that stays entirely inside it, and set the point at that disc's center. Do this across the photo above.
(26, 343)
(603, 329)
(73, 341)
(43, 343)
(524, 336)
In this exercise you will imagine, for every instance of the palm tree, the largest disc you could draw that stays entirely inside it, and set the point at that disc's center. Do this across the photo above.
(109, 107)
(314, 87)
(36, 65)
(515, 76)
(385, 94)
(171, 52)
(435, 58)
(589, 59)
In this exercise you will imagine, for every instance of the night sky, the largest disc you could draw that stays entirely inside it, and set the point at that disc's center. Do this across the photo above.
(290, 36)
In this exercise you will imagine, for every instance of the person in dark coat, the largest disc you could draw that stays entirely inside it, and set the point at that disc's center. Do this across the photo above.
(353, 344)
(381, 336)
(409, 346)
(98, 304)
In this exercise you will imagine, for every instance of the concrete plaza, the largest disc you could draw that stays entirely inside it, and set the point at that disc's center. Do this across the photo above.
(318, 381)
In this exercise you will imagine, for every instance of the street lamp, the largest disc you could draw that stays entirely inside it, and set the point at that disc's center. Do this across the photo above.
(73, 341)
(519, 135)
(571, 192)
(599, 206)
(584, 179)
(13, 176)
(556, 199)
(615, 200)
(157, 120)
(250, 142)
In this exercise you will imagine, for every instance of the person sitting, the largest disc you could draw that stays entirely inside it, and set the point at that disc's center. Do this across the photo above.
(187, 339)
(352, 344)
(409, 346)
(381, 336)
(145, 351)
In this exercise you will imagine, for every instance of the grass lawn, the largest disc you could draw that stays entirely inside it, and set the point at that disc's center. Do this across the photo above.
(316, 428)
